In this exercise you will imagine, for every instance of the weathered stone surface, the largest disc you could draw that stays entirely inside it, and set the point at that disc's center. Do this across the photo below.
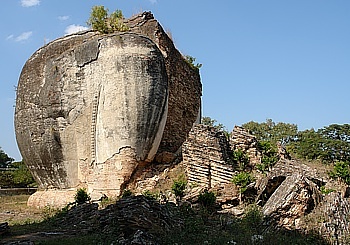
(284, 168)
(295, 197)
(185, 88)
(334, 214)
(242, 140)
(86, 110)
(51, 198)
(90, 108)
(206, 154)
(4, 228)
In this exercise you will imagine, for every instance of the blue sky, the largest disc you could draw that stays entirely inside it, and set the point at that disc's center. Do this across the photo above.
(285, 60)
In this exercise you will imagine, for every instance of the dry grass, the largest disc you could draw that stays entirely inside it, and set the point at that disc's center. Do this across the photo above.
(14, 210)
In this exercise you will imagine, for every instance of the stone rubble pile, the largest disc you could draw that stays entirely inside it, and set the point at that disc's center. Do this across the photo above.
(137, 219)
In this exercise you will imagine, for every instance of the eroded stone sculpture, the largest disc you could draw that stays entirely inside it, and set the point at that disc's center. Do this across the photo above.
(92, 108)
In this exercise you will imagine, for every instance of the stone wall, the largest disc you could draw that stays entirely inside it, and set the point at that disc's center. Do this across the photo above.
(206, 154)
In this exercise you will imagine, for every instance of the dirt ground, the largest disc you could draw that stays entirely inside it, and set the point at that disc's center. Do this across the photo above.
(14, 210)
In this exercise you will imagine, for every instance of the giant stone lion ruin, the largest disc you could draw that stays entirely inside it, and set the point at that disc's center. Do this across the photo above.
(93, 108)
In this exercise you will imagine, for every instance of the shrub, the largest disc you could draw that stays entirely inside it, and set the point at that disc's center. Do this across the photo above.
(98, 18)
(207, 199)
(127, 193)
(242, 179)
(325, 190)
(240, 158)
(82, 196)
(190, 60)
(269, 155)
(179, 187)
(150, 195)
(100, 21)
(341, 170)
(253, 218)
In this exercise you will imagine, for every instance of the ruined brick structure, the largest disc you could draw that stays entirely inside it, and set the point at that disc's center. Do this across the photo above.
(206, 154)
(241, 139)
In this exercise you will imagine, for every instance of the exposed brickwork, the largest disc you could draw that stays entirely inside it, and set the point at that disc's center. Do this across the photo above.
(206, 154)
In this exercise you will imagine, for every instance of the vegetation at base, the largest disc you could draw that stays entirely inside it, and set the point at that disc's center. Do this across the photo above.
(227, 229)
(325, 190)
(194, 228)
(179, 186)
(151, 195)
(207, 199)
(341, 171)
(105, 23)
(82, 196)
(127, 193)
(242, 180)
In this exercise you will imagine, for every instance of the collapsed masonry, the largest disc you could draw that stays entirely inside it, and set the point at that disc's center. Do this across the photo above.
(208, 154)
(241, 139)
(290, 193)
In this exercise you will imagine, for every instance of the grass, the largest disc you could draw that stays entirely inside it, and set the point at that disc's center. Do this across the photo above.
(227, 229)
(74, 240)
(14, 210)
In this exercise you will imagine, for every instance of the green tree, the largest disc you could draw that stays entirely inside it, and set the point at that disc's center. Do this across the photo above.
(307, 145)
(213, 123)
(342, 171)
(271, 131)
(5, 160)
(22, 176)
(81, 196)
(329, 144)
(269, 155)
(100, 20)
(207, 199)
(18, 176)
(336, 142)
(240, 158)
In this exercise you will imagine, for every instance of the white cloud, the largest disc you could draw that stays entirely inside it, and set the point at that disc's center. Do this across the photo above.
(10, 37)
(29, 3)
(24, 36)
(74, 28)
(153, 1)
(63, 18)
